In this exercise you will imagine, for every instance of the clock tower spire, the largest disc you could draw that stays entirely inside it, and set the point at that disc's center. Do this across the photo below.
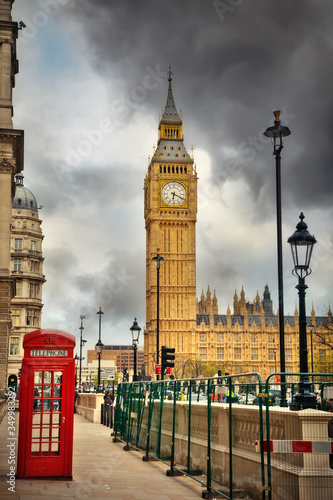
(170, 216)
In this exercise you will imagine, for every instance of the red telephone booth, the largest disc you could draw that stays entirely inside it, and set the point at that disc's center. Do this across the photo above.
(47, 386)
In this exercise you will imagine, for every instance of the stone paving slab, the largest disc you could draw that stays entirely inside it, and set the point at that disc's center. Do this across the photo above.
(101, 470)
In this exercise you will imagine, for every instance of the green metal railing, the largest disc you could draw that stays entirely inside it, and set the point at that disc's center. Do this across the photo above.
(151, 416)
(204, 442)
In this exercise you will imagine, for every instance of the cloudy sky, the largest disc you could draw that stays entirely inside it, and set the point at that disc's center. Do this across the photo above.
(89, 93)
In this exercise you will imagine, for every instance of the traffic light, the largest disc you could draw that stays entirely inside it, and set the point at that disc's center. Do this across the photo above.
(226, 378)
(125, 375)
(167, 359)
(219, 374)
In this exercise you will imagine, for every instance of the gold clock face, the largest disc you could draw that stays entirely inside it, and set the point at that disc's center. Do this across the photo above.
(174, 194)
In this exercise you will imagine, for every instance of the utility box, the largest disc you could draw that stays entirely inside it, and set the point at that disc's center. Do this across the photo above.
(46, 405)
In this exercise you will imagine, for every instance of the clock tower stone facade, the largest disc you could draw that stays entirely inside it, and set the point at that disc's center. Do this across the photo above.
(170, 191)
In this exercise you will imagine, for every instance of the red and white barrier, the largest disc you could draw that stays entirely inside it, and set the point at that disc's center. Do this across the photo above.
(322, 447)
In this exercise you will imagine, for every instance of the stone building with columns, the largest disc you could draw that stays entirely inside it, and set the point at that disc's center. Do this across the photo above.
(11, 163)
(26, 267)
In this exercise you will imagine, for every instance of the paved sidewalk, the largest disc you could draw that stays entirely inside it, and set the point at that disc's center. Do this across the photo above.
(101, 469)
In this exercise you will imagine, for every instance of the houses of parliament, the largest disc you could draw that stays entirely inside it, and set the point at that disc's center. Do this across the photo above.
(245, 339)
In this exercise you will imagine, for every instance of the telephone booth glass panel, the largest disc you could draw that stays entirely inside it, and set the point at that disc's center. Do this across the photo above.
(46, 416)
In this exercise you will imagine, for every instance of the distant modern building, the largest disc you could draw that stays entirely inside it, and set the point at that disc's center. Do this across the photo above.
(89, 373)
(123, 356)
(26, 267)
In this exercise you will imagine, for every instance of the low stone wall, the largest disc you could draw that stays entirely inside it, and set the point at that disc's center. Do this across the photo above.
(293, 476)
(89, 406)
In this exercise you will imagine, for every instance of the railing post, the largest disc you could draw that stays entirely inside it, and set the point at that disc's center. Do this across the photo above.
(209, 416)
(150, 412)
(160, 419)
(230, 438)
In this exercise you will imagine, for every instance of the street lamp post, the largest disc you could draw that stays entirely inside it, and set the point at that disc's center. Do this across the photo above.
(135, 329)
(82, 342)
(158, 259)
(311, 327)
(302, 243)
(277, 133)
(76, 359)
(99, 347)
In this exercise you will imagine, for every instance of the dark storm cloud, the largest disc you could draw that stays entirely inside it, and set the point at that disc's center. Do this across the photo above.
(232, 66)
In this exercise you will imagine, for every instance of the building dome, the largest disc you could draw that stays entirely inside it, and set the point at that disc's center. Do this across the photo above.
(23, 198)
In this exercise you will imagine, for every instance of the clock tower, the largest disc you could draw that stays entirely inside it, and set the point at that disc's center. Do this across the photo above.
(170, 208)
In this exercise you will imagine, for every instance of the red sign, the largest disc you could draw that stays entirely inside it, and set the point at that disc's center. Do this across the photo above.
(158, 370)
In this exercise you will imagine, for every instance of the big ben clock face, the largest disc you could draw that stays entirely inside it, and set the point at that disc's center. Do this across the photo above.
(174, 194)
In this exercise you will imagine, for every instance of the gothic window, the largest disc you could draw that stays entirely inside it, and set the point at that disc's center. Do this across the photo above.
(202, 337)
(160, 169)
(18, 244)
(185, 170)
(14, 346)
(220, 337)
(168, 170)
(220, 353)
(181, 168)
(237, 353)
(288, 339)
(271, 355)
(254, 354)
(203, 353)
(321, 352)
(176, 170)
(164, 169)
(289, 354)
(271, 339)
(237, 337)
(254, 338)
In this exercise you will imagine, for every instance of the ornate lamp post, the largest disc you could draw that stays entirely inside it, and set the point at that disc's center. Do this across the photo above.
(135, 329)
(311, 327)
(301, 243)
(82, 342)
(99, 347)
(277, 133)
(76, 359)
(158, 259)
